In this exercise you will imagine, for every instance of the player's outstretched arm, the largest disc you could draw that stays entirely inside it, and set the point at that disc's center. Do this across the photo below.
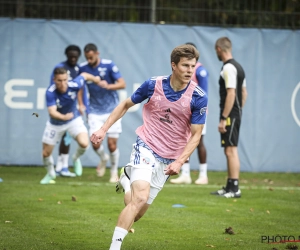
(117, 113)
(119, 84)
(59, 116)
(90, 77)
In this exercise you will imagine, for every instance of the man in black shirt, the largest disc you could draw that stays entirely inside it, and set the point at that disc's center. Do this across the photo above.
(233, 95)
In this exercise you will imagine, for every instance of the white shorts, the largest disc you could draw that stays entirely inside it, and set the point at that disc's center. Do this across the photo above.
(204, 129)
(54, 133)
(96, 122)
(144, 166)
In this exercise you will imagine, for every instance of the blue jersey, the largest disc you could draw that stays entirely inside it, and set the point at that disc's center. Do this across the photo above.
(202, 77)
(102, 101)
(198, 102)
(73, 72)
(66, 102)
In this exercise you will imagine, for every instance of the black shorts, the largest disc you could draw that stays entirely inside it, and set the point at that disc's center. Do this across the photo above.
(231, 137)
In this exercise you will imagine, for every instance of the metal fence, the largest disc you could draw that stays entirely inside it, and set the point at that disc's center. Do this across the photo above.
(280, 14)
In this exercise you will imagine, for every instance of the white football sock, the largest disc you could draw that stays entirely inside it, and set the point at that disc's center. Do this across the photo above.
(79, 152)
(65, 160)
(100, 151)
(118, 237)
(185, 169)
(59, 164)
(49, 164)
(114, 159)
(203, 170)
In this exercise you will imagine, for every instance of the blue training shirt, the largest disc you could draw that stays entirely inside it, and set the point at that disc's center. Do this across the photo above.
(198, 102)
(66, 102)
(102, 101)
(73, 71)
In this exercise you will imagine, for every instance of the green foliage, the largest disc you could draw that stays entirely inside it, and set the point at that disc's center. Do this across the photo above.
(34, 216)
(230, 13)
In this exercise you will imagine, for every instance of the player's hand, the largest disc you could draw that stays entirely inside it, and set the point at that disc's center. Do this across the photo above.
(173, 168)
(102, 84)
(222, 126)
(69, 116)
(82, 109)
(97, 80)
(98, 136)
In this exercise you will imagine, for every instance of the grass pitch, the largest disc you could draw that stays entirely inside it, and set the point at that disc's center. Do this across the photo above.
(42, 217)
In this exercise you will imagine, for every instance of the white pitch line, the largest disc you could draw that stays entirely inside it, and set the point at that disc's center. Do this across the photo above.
(241, 187)
(168, 185)
(187, 186)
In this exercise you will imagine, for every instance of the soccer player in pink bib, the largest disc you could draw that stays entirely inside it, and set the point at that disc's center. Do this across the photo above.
(173, 119)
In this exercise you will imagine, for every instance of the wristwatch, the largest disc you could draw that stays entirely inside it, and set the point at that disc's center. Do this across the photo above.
(223, 118)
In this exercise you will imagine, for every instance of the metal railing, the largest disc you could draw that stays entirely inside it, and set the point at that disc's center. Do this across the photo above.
(283, 14)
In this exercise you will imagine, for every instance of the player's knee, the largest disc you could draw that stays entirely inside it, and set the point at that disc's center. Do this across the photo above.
(96, 146)
(84, 144)
(46, 153)
(112, 148)
(230, 151)
(112, 144)
(139, 201)
(227, 153)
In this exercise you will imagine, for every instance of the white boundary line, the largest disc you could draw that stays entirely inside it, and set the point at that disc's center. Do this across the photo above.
(168, 185)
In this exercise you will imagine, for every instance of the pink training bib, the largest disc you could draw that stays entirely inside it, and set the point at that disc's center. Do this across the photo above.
(167, 127)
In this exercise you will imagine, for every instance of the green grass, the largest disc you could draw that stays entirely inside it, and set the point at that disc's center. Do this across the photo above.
(31, 218)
